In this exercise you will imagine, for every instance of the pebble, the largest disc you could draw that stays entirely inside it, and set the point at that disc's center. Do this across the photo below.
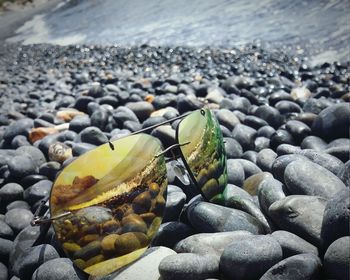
(250, 156)
(270, 190)
(37, 191)
(308, 178)
(188, 266)
(280, 164)
(227, 118)
(301, 215)
(265, 159)
(3, 272)
(20, 127)
(298, 267)
(251, 184)
(336, 218)
(93, 135)
(11, 192)
(292, 244)
(271, 115)
(80, 122)
(249, 167)
(174, 203)
(18, 204)
(333, 122)
(32, 258)
(235, 172)
(233, 148)
(57, 269)
(21, 166)
(6, 231)
(313, 142)
(344, 173)
(18, 219)
(325, 160)
(81, 148)
(171, 233)
(34, 153)
(218, 219)
(244, 135)
(337, 259)
(142, 109)
(6, 246)
(250, 258)
(298, 130)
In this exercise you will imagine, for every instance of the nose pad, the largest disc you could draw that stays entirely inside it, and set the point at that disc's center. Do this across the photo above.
(180, 172)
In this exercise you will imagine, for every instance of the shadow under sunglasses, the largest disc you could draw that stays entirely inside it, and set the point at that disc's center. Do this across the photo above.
(107, 205)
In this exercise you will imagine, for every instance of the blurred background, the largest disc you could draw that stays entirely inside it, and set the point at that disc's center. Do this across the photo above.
(321, 28)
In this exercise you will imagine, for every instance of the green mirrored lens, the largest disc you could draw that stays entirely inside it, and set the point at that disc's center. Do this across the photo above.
(116, 199)
(205, 154)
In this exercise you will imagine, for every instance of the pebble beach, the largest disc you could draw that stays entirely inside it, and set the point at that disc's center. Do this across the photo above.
(285, 125)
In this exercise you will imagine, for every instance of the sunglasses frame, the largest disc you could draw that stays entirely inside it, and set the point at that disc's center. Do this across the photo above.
(45, 222)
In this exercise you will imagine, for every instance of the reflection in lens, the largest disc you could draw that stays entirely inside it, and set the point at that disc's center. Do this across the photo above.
(205, 154)
(116, 198)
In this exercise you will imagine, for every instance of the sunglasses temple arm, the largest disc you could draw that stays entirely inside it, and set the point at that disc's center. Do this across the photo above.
(159, 124)
(171, 147)
(38, 219)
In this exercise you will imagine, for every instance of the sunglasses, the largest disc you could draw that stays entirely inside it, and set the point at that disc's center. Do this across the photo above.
(107, 205)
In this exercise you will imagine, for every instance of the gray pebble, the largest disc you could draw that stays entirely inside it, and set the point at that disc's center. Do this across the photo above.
(298, 267)
(250, 258)
(18, 219)
(337, 259)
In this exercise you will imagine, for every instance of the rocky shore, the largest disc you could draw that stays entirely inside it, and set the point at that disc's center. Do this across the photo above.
(286, 131)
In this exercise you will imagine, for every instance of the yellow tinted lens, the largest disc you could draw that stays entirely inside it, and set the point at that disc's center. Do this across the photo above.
(116, 199)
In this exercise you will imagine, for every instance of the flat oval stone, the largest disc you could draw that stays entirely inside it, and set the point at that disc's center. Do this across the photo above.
(218, 219)
(301, 215)
(306, 177)
(298, 267)
(280, 163)
(18, 219)
(251, 184)
(292, 244)
(313, 142)
(265, 159)
(188, 266)
(235, 172)
(20, 127)
(250, 258)
(11, 192)
(21, 166)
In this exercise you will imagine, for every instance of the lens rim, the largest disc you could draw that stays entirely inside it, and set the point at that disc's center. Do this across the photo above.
(115, 144)
(203, 112)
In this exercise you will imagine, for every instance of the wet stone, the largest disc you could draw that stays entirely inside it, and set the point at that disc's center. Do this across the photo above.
(170, 233)
(266, 131)
(93, 135)
(306, 177)
(20, 127)
(337, 259)
(21, 166)
(313, 142)
(261, 143)
(270, 190)
(6, 246)
(5, 231)
(251, 184)
(188, 265)
(142, 109)
(336, 218)
(245, 136)
(292, 244)
(227, 118)
(78, 123)
(18, 204)
(254, 122)
(11, 192)
(235, 173)
(219, 219)
(333, 122)
(280, 164)
(18, 219)
(285, 107)
(265, 159)
(270, 115)
(250, 258)
(298, 130)
(33, 257)
(57, 269)
(233, 148)
(301, 215)
(281, 136)
(298, 267)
